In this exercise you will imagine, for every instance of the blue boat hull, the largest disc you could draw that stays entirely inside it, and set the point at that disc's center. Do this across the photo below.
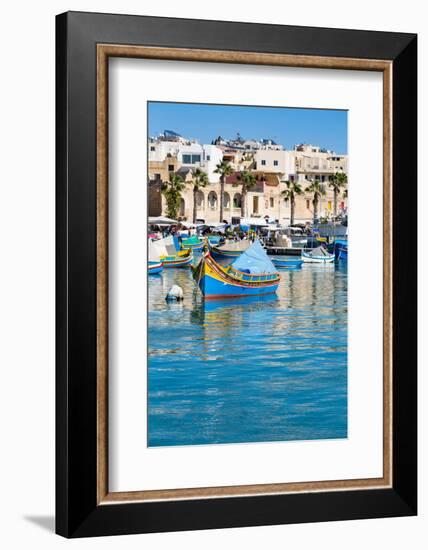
(212, 288)
(155, 268)
(290, 264)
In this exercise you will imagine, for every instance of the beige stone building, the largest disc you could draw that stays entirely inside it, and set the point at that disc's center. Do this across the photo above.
(271, 167)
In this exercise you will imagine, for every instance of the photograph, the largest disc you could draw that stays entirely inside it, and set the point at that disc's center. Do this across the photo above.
(247, 260)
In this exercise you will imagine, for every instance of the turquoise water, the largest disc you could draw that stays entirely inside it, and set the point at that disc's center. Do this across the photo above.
(252, 369)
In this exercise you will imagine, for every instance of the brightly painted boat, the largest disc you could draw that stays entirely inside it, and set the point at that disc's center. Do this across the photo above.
(192, 243)
(340, 249)
(155, 267)
(155, 262)
(317, 256)
(214, 239)
(287, 263)
(229, 250)
(252, 274)
(170, 256)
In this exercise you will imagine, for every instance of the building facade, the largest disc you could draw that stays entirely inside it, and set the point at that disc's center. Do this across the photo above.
(271, 165)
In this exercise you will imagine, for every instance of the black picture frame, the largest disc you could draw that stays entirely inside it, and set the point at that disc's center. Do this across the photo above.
(77, 511)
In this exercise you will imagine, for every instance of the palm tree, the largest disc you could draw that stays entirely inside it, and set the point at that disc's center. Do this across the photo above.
(224, 169)
(337, 181)
(199, 180)
(248, 181)
(172, 192)
(289, 194)
(318, 190)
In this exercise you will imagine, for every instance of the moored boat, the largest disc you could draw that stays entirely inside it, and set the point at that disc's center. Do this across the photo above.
(251, 274)
(155, 267)
(170, 256)
(192, 243)
(155, 262)
(340, 249)
(317, 256)
(230, 250)
(287, 263)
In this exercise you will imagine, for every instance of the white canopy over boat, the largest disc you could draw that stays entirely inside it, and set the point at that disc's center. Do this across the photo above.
(255, 260)
(170, 245)
(155, 251)
(158, 249)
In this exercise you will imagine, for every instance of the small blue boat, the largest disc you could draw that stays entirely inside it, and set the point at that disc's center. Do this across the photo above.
(341, 249)
(287, 263)
(155, 267)
(252, 274)
(193, 243)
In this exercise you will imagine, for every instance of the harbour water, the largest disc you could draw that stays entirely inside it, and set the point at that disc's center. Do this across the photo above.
(243, 370)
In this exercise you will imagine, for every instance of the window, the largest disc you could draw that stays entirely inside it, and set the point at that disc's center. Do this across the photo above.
(191, 159)
(208, 157)
(170, 168)
(263, 163)
(271, 202)
(275, 163)
(237, 200)
(307, 203)
(329, 205)
(182, 207)
(212, 200)
(152, 148)
(226, 200)
(199, 200)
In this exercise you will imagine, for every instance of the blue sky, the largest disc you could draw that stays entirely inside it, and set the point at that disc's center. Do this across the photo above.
(326, 128)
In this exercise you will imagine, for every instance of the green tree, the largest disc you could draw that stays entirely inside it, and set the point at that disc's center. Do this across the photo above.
(199, 181)
(293, 189)
(224, 169)
(171, 190)
(318, 190)
(337, 182)
(248, 182)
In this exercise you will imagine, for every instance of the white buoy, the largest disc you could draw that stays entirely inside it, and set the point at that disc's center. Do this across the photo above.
(175, 293)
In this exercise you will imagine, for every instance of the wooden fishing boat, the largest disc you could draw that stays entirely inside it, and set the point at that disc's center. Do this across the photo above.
(287, 263)
(182, 258)
(170, 256)
(317, 256)
(192, 243)
(155, 262)
(155, 267)
(230, 250)
(214, 239)
(251, 274)
(339, 248)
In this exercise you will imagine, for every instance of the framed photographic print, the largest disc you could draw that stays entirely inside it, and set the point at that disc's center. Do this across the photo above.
(236, 284)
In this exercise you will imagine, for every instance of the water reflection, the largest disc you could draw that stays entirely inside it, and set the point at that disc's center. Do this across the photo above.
(266, 368)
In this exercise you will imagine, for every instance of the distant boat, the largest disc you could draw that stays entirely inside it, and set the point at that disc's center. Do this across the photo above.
(340, 249)
(214, 239)
(229, 250)
(317, 256)
(192, 243)
(284, 263)
(155, 262)
(170, 256)
(251, 274)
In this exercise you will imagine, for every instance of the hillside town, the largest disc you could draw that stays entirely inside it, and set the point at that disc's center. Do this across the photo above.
(259, 179)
